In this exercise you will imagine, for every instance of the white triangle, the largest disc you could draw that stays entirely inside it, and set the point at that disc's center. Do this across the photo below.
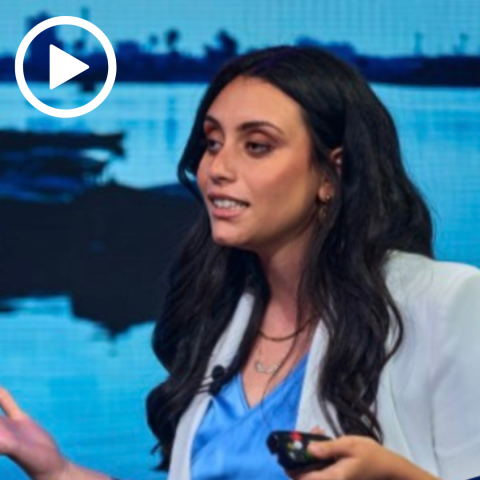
(63, 67)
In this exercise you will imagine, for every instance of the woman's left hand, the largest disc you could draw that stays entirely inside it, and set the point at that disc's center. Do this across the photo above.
(360, 458)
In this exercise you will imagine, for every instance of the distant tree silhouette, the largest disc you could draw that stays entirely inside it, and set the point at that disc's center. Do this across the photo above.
(172, 37)
(227, 44)
(78, 46)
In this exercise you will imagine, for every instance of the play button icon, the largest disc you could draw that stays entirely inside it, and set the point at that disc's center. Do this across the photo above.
(63, 67)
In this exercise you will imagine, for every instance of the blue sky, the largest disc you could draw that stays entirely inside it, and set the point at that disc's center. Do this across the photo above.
(373, 26)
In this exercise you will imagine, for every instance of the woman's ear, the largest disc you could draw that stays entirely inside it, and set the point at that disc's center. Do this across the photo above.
(326, 191)
(336, 157)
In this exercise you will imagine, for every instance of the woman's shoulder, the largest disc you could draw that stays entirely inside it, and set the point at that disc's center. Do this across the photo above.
(417, 278)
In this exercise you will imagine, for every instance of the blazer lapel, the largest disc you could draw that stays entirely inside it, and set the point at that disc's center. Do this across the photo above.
(223, 354)
(310, 413)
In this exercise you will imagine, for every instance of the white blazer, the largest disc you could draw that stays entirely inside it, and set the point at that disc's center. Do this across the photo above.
(428, 402)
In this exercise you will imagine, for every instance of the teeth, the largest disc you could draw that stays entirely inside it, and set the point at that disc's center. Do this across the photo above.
(230, 204)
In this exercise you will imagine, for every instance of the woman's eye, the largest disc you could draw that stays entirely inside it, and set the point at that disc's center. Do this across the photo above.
(259, 147)
(254, 147)
(210, 143)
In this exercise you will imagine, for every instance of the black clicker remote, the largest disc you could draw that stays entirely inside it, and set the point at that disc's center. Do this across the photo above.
(291, 450)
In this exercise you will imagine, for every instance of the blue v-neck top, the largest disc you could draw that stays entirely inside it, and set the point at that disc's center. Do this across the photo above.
(230, 443)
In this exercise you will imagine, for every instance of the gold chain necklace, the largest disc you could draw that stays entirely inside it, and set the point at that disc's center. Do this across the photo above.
(287, 337)
(259, 366)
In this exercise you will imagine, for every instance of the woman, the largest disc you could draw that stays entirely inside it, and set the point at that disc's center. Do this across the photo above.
(306, 296)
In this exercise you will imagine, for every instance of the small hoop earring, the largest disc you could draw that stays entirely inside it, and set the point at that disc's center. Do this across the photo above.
(324, 205)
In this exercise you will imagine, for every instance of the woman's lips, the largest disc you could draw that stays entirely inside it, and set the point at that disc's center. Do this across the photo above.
(227, 212)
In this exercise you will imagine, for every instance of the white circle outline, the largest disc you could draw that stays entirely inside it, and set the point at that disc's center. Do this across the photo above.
(60, 112)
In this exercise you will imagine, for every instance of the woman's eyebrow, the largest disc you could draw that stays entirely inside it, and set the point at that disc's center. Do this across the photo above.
(246, 125)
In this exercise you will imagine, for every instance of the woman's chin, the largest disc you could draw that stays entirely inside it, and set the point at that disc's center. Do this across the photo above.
(227, 240)
(224, 241)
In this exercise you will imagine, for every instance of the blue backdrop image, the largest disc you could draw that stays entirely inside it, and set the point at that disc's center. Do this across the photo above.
(90, 212)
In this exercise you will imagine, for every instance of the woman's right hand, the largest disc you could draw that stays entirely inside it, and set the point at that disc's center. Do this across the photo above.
(28, 444)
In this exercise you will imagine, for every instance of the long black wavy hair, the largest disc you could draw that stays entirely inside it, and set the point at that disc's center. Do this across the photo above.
(376, 208)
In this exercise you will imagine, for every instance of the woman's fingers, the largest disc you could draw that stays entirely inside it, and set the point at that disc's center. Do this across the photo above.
(9, 406)
(318, 430)
(340, 447)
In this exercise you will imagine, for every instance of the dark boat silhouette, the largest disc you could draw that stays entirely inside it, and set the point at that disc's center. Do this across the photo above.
(109, 249)
(124, 240)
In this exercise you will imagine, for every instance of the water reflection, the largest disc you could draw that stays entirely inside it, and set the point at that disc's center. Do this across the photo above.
(86, 389)
(85, 377)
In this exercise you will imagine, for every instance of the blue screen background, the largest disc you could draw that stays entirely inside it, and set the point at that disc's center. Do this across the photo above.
(85, 379)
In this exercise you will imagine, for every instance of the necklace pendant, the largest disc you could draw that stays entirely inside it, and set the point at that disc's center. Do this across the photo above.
(260, 368)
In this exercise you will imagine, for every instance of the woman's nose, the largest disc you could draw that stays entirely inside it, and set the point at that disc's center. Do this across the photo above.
(222, 164)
